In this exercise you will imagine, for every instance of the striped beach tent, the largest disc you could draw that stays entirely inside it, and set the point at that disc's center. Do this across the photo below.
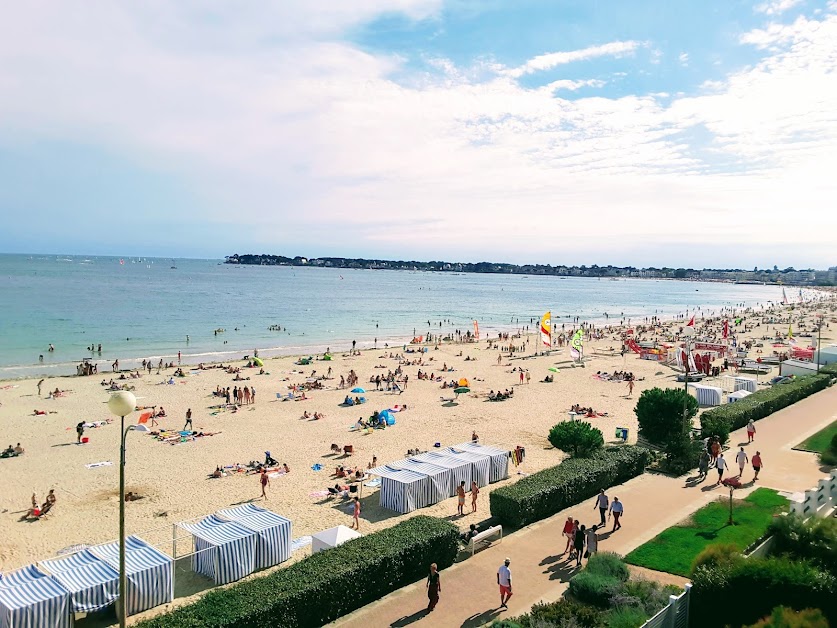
(441, 478)
(225, 550)
(499, 458)
(706, 395)
(34, 601)
(480, 464)
(274, 532)
(93, 584)
(148, 572)
(461, 470)
(401, 490)
(746, 383)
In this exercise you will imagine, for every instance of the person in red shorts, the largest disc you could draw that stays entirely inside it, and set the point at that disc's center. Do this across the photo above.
(504, 579)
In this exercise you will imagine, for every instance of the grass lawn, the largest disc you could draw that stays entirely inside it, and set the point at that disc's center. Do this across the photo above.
(674, 550)
(820, 441)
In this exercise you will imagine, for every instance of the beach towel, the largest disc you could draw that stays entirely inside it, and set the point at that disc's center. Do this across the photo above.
(93, 465)
(317, 467)
(373, 483)
(298, 544)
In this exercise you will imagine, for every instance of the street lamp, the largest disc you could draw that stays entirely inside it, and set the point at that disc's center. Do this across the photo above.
(688, 332)
(122, 404)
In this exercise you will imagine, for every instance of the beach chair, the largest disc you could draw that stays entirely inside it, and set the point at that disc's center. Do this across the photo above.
(335, 448)
(349, 450)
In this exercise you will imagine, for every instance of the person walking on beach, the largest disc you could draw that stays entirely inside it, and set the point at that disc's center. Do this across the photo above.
(742, 460)
(616, 508)
(356, 514)
(79, 431)
(751, 431)
(460, 498)
(528, 377)
(521, 377)
(757, 465)
(602, 503)
(504, 579)
(178, 357)
(434, 588)
(630, 387)
(188, 419)
(265, 482)
(475, 491)
(720, 465)
(40, 383)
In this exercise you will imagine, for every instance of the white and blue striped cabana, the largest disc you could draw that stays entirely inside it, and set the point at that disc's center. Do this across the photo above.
(441, 479)
(403, 491)
(225, 550)
(706, 395)
(274, 532)
(93, 584)
(480, 464)
(30, 599)
(148, 573)
(461, 470)
(745, 383)
(499, 459)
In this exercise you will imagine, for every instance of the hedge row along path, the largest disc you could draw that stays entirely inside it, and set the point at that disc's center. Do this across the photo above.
(652, 504)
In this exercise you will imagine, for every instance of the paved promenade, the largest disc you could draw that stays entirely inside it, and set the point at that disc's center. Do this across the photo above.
(652, 503)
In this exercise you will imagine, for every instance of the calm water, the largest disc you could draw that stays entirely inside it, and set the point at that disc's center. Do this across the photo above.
(145, 309)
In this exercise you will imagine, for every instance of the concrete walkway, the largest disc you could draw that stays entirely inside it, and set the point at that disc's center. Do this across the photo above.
(653, 503)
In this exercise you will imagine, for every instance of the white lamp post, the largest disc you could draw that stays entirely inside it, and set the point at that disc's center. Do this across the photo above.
(688, 332)
(122, 404)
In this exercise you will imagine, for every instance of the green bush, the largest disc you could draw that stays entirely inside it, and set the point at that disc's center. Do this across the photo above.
(645, 594)
(748, 590)
(681, 455)
(715, 555)
(715, 425)
(625, 617)
(594, 588)
(760, 404)
(783, 617)
(829, 456)
(609, 564)
(327, 585)
(547, 492)
(564, 612)
(577, 438)
(814, 540)
(659, 412)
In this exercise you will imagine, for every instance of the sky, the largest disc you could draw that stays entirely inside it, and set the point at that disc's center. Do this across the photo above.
(625, 132)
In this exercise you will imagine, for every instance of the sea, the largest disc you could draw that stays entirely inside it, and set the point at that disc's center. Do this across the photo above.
(153, 308)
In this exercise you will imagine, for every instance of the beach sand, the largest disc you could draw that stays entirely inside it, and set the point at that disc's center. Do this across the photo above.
(173, 479)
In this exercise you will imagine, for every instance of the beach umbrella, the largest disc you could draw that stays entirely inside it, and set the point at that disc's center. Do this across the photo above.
(258, 362)
(553, 369)
(358, 390)
(461, 390)
(463, 382)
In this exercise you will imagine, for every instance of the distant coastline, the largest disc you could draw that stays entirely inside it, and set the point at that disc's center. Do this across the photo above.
(787, 276)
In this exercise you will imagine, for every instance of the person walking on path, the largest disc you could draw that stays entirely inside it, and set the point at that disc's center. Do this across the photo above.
(602, 503)
(757, 465)
(616, 508)
(751, 431)
(188, 419)
(568, 533)
(703, 465)
(475, 491)
(356, 514)
(742, 460)
(434, 588)
(721, 465)
(504, 579)
(265, 482)
(460, 498)
(578, 543)
(592, 541)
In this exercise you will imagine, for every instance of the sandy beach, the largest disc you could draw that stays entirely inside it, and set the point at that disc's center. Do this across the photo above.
(173, 479)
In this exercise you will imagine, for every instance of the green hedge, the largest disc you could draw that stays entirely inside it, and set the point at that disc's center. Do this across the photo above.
(327, 585)
(546, 492)
(760, 404)
(748, 589)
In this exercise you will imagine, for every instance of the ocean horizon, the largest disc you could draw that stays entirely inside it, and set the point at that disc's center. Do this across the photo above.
(144, 308)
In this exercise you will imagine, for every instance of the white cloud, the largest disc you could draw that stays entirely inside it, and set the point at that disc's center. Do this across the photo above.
(554, 59)
(684, 59)
(305, 134)
(776, 7)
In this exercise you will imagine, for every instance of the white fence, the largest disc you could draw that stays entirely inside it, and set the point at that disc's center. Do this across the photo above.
(819, 501)
(675, 615)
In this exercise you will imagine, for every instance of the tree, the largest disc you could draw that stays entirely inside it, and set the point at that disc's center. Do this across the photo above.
(660, 415)
(577, 438)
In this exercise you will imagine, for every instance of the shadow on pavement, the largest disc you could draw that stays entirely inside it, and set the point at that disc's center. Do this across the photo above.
(409, 619)
(474, 621)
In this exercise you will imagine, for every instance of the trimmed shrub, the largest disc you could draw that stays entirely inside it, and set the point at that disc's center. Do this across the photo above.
(760, 404)
(594, 588)
(659, 412)
(609, 564)
(681, 455)
(715, 555)
(314, 591)
(783, 617)
(748, 590)
(577, 438)
(814, 539)
(547, 492)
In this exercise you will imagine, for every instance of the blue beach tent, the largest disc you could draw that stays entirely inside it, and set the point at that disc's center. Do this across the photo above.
(93, 584)
(273, 545)
(225, 550)
(30, 599)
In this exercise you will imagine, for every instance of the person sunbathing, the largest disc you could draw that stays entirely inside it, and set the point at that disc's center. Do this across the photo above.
(39, 412)
(217, 473)
(9, 452)
(19, 450)
(305, 415)
(286, 468)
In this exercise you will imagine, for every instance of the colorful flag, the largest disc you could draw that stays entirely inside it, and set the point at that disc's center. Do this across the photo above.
(691, 322)
(476, 330)
(577, 351)
(790, 332)
(546, 329)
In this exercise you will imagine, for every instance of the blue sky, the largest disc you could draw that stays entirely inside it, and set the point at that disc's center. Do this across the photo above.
(640, 133)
